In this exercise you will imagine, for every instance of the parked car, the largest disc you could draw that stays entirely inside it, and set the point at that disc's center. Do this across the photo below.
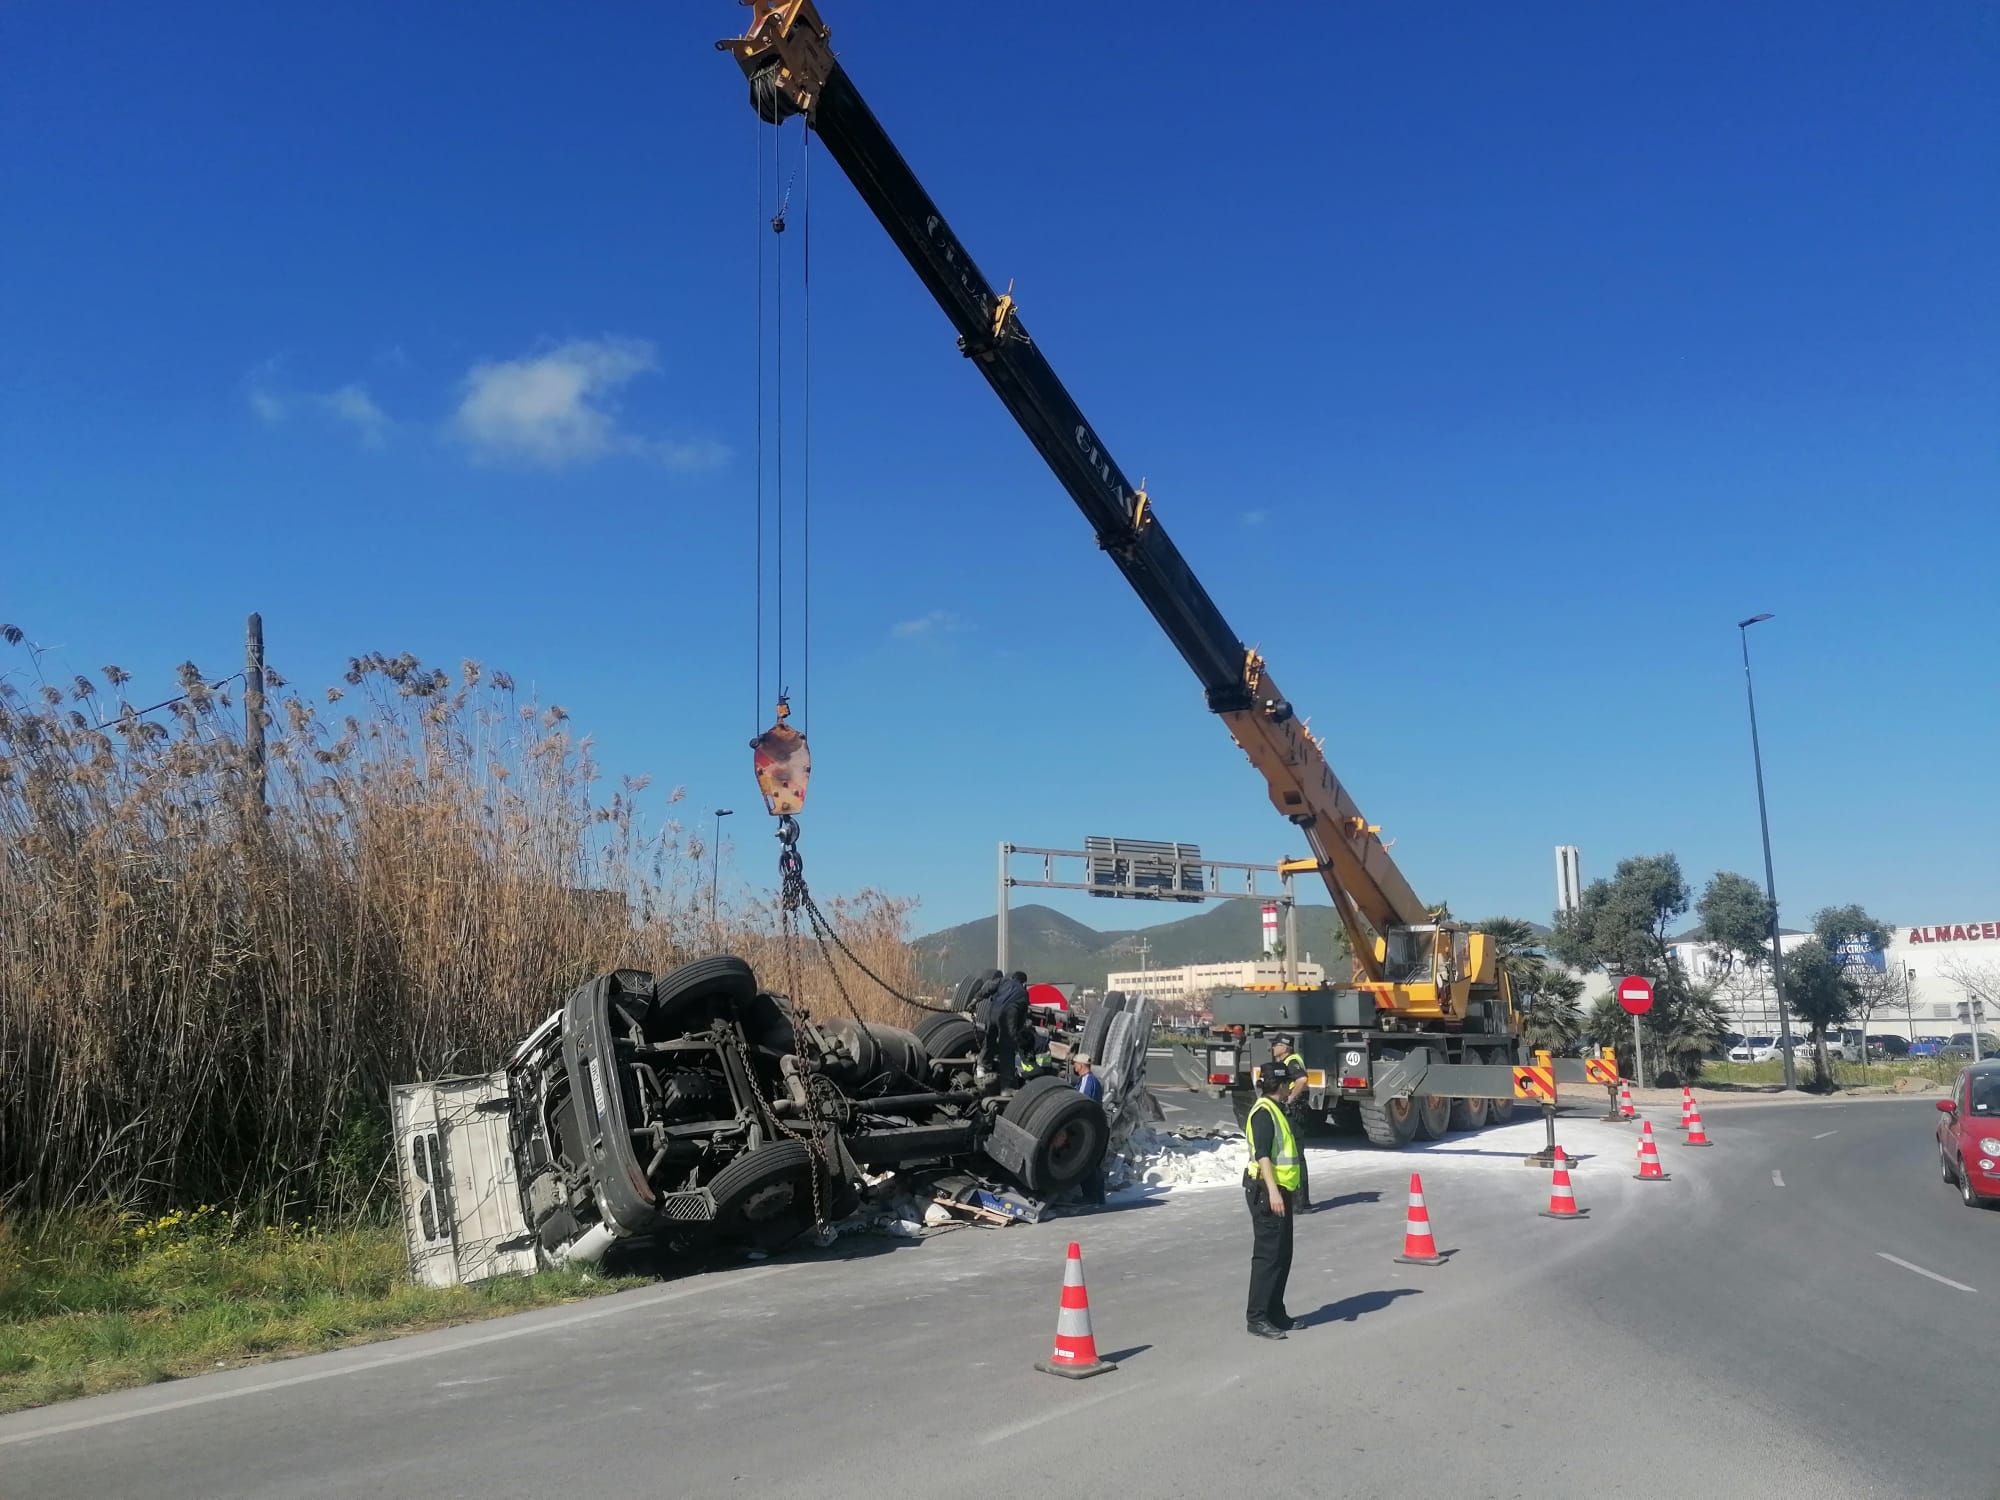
(1969, 1135)
(1925, 1046)
(1772, 1049)
(1888, 1046)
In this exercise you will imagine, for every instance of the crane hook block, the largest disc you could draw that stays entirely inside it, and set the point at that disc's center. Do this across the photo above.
(783, 763)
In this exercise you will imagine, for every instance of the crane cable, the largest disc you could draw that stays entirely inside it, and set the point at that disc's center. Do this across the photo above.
(795, 896)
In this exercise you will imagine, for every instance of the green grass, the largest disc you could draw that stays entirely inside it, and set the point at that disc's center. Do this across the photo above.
(94, 1302)
(1845, 1075)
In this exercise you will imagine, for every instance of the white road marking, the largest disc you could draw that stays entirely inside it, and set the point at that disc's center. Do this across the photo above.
(1898, 1260)
(1172, 1109)
(1824, 1134)
(1001, 1434)
(702, 1286)
(1777, 1178)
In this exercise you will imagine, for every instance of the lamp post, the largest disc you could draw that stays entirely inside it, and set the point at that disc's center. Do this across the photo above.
(715, 862)
(1770, 880)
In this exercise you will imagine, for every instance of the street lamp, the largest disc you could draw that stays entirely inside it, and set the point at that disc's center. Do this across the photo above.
(1770, 880)
(715, 861)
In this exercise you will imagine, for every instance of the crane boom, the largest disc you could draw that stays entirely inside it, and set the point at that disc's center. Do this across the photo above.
(786, 56)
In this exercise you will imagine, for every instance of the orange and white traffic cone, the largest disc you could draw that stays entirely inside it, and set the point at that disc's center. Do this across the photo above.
(1075, 1354)
(1562, 1197)
(1687, 1105)
(1649, 1157)
(1625, 1109)
(1696, 1135)
(1419, 1249)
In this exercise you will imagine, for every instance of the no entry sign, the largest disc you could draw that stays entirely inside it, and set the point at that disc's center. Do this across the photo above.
(1635, 994)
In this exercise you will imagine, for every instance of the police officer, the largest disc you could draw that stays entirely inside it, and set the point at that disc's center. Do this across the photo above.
(1292, 1067)
(1269, 1188)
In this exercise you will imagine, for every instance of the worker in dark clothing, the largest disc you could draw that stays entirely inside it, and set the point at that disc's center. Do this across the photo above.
(1269, 1187)
(982, 998)
(1090, 1086)
(1293, 1067)
(1006, 1025)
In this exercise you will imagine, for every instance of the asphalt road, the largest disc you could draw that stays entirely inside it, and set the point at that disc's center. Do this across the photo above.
(1738, 1330)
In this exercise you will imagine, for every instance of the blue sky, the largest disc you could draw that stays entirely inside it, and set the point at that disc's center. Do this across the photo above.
(1489, 362)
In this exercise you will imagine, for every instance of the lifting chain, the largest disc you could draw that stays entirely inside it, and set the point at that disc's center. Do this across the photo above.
(796, 896)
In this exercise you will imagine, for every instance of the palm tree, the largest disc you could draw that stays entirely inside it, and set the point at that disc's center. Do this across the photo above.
(1546, 994)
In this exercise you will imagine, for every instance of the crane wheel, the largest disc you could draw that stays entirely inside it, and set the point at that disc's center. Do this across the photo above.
(1390, 1123)
(1433, 1116)
(1468, 1114)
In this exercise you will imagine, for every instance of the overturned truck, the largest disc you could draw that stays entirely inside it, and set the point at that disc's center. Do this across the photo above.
(698, 1106)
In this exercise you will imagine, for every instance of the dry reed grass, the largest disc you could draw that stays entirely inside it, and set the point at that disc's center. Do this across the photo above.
(200, 1001)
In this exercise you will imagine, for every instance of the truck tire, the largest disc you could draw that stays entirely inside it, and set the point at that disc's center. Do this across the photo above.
(1071, 1134)
(1467, 1114)
(1029, 1102)
(1389, 1123)
(962, 993)
(1433, 1116)
(1499, 1111)
(1096, 1029)
(765, 1196)
(723, 977)
(948, 1036)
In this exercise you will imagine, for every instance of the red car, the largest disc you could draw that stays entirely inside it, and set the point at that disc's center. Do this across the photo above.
(1969, 1135)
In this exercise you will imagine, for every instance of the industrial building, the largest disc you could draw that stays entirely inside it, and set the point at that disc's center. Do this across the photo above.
(1193, 982)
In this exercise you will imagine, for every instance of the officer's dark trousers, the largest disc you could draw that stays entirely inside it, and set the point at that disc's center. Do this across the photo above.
(1270, 1252)
(1298, 1115)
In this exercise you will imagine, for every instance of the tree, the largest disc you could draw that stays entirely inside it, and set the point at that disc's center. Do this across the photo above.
(1820, 994)
(1736, 917)
(1687, 1023)
(1622, 926)
(1546, 994)
(1980, 984)
(1849, 933)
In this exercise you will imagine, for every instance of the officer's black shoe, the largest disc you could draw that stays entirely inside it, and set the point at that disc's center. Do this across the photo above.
(1264, 1330)
(1284, 1322)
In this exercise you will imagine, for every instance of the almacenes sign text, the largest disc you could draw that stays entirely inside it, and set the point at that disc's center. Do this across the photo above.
(1969, 932)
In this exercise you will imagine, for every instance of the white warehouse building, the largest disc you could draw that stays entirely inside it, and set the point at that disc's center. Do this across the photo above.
(1940, 976)
(1190, 982)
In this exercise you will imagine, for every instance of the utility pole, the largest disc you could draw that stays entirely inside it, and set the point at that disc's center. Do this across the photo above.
(1770, 880)
(253, 718)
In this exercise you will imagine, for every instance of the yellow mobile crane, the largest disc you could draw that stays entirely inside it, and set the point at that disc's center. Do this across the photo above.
(1424, 1036)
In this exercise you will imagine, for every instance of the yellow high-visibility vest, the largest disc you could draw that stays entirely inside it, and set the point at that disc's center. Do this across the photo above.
(1284, 1146)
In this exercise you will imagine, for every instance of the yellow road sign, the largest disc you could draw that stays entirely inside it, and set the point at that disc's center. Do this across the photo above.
(1535, 1083)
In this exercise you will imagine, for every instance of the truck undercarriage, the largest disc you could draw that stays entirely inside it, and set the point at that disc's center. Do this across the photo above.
(696, 1106)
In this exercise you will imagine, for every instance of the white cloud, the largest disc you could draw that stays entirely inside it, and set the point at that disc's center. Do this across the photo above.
(937, 622)
(273, 405)
(560, 408)
(352, 404)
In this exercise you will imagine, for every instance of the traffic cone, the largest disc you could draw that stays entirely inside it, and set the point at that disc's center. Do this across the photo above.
(1419, 1249)
(1649, 1157)
(1687, 1105)
(1075, 1356)
(1696, 1135)
(1625, 1109)
(1562, 1198)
